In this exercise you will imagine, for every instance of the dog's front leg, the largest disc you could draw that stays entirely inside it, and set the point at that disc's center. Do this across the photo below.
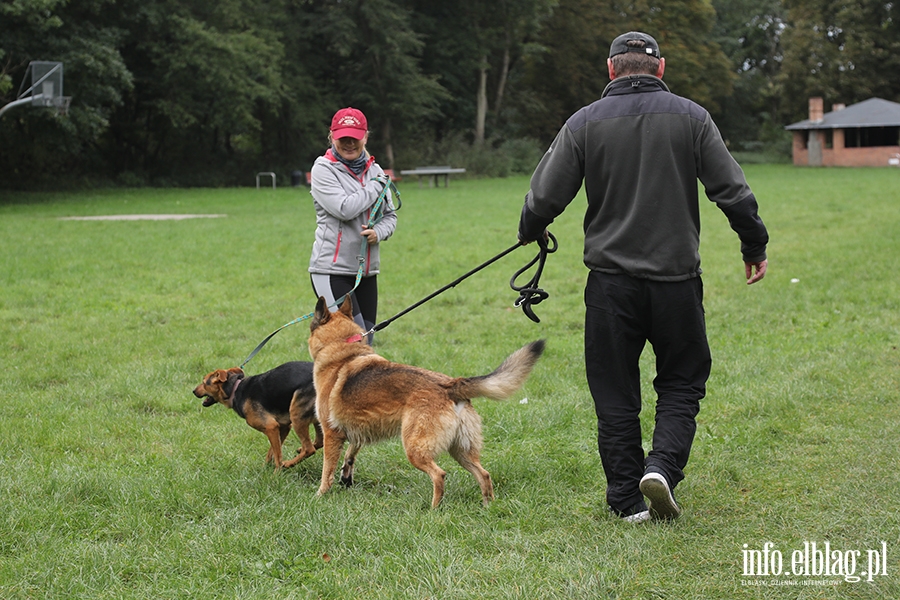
(349, 463)
(273, 432)
(331, 452)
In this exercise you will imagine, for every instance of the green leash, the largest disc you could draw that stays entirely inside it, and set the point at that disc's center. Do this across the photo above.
(359, 273)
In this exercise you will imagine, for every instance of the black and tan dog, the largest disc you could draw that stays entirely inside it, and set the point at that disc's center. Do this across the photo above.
(270, 402)
(363, 398)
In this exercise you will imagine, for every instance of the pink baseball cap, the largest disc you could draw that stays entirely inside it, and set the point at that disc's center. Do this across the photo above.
(349, 122)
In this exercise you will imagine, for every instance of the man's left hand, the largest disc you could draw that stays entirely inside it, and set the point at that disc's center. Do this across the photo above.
(755, 271)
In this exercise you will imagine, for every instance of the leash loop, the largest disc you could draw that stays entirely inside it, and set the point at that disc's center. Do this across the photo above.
(530, 293)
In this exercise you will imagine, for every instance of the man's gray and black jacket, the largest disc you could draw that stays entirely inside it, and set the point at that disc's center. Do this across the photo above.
(639, 151)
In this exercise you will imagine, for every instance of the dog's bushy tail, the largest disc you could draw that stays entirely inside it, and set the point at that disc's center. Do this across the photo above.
(505, 380)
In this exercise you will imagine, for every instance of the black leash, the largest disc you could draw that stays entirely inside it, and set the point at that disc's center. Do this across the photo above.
(528, 294)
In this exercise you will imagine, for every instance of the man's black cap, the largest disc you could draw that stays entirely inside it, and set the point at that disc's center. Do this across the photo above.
(620, 46)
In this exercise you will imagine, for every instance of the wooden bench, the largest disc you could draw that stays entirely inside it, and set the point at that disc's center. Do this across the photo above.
(433, 173)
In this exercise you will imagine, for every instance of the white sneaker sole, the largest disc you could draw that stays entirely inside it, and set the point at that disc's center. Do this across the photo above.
(662, 503)
(640, 517)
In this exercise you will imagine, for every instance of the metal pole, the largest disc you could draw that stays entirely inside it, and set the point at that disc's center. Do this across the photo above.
(20, 102)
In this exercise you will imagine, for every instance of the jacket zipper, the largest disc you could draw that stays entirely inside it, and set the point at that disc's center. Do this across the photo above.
(365, 241)
(337, 247)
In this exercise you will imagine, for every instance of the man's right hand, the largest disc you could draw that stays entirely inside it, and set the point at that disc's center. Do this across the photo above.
(546, 236)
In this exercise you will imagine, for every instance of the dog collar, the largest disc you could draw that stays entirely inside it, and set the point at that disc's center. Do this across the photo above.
(234, 389)
(354, 338)
(231, 400)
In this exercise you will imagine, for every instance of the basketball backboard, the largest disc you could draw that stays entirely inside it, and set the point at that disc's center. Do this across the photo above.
(45, 87)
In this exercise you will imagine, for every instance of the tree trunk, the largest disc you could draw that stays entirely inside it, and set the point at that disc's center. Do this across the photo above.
(388, 145)
(481, 113)
(501, 82)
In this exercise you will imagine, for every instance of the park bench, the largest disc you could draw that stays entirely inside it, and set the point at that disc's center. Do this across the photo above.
(432, 173)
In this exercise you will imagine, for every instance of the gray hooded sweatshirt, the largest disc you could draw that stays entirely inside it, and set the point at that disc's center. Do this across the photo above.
(343, 204)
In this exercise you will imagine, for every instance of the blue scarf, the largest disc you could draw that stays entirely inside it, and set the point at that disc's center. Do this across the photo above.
(357, 166)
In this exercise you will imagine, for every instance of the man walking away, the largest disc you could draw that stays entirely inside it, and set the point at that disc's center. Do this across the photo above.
(639, 151)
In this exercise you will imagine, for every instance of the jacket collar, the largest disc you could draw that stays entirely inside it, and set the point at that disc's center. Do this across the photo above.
(329, 155)
(634, 84)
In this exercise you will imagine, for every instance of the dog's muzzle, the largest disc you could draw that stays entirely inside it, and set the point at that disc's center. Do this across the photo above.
(207, 399)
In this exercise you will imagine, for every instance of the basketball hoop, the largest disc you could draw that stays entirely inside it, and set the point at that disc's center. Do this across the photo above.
(46, 89)
(61, 103)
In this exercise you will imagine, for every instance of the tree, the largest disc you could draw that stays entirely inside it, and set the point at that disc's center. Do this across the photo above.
(475, 47)
(374, 55)
(696, 67)
(844, 52)
(200, 74)
(565, 68)
(193, 92)
(749, 32)
(570, 71)
(522, 21)
(502, 29)
(36, 145)
(293, 131)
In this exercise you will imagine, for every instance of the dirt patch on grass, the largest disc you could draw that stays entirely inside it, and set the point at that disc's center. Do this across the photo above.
(174, 217)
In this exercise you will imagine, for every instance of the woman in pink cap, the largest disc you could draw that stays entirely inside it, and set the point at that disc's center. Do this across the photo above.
(345, 184)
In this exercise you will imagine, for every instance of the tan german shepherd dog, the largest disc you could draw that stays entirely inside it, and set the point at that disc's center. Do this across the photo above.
(363, 398)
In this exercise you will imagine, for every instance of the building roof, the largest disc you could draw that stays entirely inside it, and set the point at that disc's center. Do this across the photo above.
(873, 112)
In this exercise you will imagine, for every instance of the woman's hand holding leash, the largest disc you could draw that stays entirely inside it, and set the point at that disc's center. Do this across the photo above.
(371, 236)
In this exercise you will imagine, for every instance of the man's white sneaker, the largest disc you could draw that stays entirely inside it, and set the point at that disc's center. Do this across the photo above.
(638, 513)
(662, 503)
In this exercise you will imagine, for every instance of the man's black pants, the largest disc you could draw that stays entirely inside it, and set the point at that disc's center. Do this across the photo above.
(622, 314)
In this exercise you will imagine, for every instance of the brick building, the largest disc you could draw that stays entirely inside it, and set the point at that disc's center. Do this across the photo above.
(866, 134)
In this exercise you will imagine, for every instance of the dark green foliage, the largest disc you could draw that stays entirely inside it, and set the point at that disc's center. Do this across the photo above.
(845, 52)
(188, 92)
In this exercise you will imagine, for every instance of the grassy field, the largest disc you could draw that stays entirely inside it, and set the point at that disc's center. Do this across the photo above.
(115, 483)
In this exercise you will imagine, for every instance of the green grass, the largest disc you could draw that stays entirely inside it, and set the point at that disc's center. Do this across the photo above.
(115, 483)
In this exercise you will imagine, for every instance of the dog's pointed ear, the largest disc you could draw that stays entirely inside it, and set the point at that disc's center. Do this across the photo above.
(321, 315)
(347, 306)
